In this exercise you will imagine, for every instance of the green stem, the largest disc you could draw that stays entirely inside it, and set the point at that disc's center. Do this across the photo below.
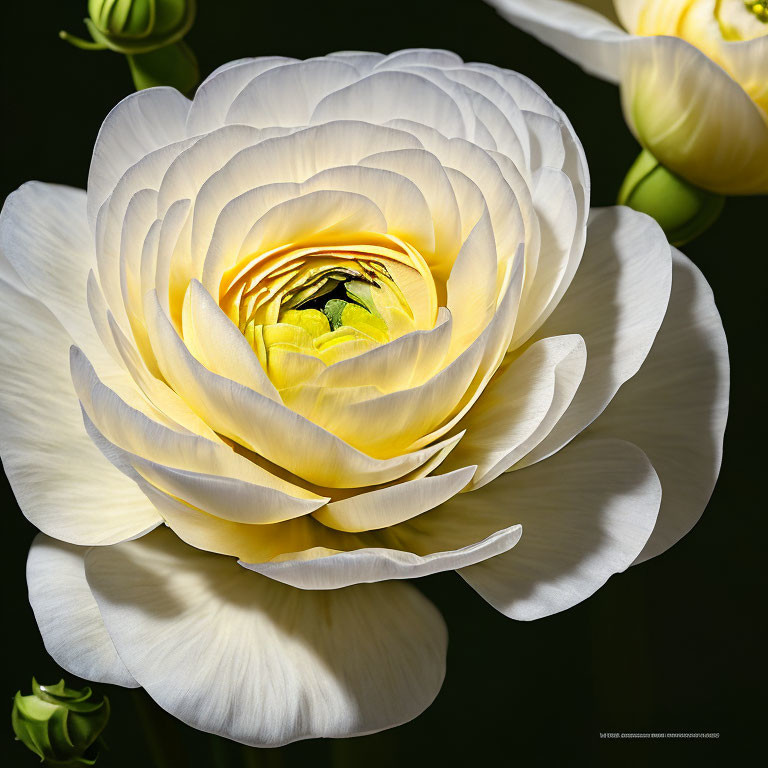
(160, 732)
(78, 42)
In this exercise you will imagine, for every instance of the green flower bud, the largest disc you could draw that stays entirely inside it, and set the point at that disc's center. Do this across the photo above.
(59, 724)
(138, 26)
(683, 210)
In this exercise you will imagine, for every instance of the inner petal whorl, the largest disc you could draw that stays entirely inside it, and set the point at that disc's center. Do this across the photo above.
(302, 308)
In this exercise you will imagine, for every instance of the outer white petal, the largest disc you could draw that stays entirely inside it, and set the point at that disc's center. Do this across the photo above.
(581, 34)
(67, 614)
(617, 302)
(235, 654)
(586, 514)
(44, 235)
(694, 117)
(139, 124)
(62, 483)
(676, 407)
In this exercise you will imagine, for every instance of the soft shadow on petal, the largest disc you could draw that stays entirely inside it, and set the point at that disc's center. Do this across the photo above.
(61, 481)
(586, 514)
(616, 302)
(676, 407)
(139, 124)
(233, 653)
(67, 614)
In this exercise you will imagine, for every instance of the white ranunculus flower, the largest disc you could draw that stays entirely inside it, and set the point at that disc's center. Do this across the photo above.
(334, 322)
(693, 76)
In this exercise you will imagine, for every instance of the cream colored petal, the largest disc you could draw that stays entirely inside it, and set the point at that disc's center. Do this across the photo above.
(582, 34)
(393, 504)
(399, 199)
(377, 563)
(471, 286)
(44, 235)
(384, 96)
(425, 170)
(235, 654)
(292, 159)
(616, 302)
(520, 403)
(62, 483)
(218, 344)
(433, 57)
(138, 125)
(321, 216)
(676, 407)
(266, 427)
(586, 513)
(187, 173)
(147, 173)
(287, 95)
(217, 92)
(409, 360)
(746, 61)
(694, 117)
(67, 614)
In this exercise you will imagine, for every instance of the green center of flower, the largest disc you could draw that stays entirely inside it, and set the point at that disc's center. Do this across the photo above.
(759, 8)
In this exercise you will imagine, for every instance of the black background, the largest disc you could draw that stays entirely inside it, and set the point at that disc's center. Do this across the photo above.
(671, 645)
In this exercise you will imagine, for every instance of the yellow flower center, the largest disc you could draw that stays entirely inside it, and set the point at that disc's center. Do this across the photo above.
(304, 307)
(760, 9)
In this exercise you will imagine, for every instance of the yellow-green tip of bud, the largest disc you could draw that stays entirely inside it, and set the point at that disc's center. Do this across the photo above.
(139, 26)
(60, 724)
(682, 210)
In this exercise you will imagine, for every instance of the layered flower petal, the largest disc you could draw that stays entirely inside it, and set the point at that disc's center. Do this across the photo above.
(208, 640)
(67, 614)
(675, 408)
(586, 514)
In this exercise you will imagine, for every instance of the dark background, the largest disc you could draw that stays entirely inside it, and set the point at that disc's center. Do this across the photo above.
(671, 645)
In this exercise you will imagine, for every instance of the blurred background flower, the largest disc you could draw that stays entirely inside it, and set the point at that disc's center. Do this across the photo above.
(694, 88)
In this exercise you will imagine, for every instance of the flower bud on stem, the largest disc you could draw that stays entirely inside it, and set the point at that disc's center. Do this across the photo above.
(682, 210)
(149, 33)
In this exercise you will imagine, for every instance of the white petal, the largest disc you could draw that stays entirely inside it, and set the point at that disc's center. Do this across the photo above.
(581, 34)
(586, 514)
(384, 96)
(378, 563)
(44, 235)
(139, 124)
(217, 92)
(616, 301)
(62, 483)
(393, 504)
(520, 402)
(287, 95)
(676, 407)
(67, 614)
(235, 654)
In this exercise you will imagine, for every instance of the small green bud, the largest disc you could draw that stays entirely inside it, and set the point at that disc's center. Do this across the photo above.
(683, 211)
(59, 724)
(138, 26)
